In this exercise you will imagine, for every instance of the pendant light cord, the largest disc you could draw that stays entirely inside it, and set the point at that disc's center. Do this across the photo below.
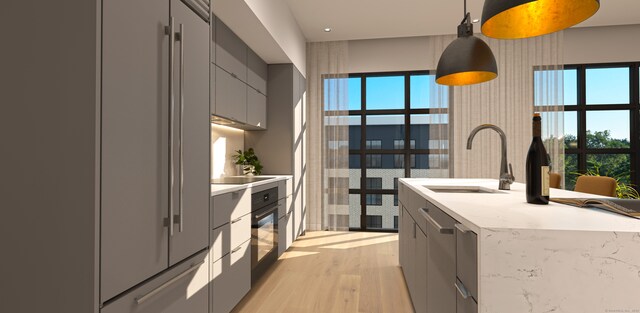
(467, 17)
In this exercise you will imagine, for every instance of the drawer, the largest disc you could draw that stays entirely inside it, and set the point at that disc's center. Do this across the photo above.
(467, 258)
(465, 305)
(183, 288)
(282, 189)
(230, 206)
(282, 208)
(231, 279)
(230, 235)
(285, 233)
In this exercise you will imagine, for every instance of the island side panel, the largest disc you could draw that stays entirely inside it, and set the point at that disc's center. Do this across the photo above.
(558, 271)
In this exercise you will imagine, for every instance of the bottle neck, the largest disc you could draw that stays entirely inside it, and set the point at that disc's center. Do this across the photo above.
(537, 128)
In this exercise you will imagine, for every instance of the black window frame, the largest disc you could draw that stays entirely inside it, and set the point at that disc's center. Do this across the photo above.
(581, 109)
(409, 154)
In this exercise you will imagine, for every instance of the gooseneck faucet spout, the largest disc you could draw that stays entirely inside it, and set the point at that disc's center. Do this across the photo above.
(506, 176)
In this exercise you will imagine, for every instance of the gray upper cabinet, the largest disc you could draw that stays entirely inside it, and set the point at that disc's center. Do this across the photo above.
(256, 108)
(212, 34)
(231, 52)
(134, 238)
(136, 243)
(191, 135)
(257, 72)
(231, 96)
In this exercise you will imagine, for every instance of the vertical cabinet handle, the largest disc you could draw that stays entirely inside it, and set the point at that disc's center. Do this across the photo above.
(181, 210)
(171, 33)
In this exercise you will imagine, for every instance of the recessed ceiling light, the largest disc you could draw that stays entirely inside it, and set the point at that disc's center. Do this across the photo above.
(475, 20)
(327, 29)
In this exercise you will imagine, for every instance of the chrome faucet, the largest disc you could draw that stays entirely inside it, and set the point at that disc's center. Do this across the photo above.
(506, 177)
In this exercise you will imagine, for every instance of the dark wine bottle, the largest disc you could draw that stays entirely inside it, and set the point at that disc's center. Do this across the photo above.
(537, 168)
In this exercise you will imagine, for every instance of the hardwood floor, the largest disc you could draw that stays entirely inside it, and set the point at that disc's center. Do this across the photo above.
(333, 272)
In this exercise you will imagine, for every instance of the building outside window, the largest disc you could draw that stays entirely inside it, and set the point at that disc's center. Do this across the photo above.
(391, 118)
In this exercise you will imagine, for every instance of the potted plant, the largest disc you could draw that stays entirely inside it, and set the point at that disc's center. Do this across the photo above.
(248, 161)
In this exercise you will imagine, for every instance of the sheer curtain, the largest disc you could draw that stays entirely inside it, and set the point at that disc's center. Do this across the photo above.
(530, 79)
(328, 136)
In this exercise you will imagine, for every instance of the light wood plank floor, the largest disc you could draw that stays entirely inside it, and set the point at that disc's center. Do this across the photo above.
(333, 272)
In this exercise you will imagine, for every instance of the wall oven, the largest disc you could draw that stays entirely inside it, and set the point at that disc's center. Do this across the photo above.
(264, 231)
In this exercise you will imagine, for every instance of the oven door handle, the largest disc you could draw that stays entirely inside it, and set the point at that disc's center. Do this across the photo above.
(262, 215)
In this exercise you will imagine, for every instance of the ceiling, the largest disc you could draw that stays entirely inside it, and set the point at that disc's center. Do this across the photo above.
(367, 19)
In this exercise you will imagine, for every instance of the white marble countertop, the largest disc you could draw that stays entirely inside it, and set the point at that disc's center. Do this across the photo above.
(508, 209)
(218, 189)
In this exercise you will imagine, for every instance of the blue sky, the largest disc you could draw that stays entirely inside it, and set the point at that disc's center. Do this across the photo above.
(604, 86)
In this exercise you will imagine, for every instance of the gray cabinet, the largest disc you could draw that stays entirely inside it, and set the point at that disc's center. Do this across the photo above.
(230, 279)
(231, 96)
(134, 238)
(231, 52)
(184, 288)
(230, 249)
(256, 109)
(438, 257)
(287, 233)
(191, 135)
(256, 72)
(286, 115)
(441, 262)
(136, 182)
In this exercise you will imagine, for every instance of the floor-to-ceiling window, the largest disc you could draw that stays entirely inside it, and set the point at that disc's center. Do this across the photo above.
(391, 135)
(602, 123)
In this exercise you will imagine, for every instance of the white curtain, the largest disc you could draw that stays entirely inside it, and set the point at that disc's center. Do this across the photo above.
(508, 102)
(328, 136)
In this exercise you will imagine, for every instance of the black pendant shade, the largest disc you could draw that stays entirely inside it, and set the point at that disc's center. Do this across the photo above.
(467, 60)
(514, 19)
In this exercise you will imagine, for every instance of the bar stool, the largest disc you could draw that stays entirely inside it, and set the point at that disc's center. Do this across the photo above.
(599, 185)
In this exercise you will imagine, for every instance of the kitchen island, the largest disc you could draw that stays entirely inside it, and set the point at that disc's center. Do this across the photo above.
(527, 258)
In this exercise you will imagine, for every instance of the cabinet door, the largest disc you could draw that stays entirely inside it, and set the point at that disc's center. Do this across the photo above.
(467, 259)
(256, 72)
(441, 263)
(256, 109)
(212, 88)
(231, 96)
(231, 51)
(134, 238)
(191, 190)
(231, 277)
(212, 42)
(420, 273)
(408, 268)
(184, 288)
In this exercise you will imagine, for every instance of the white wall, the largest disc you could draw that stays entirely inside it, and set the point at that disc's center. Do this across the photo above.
(582, 45)
(602, 44)
(225, 141)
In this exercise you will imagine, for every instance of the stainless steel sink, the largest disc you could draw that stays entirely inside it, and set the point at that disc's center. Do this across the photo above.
(461, 189)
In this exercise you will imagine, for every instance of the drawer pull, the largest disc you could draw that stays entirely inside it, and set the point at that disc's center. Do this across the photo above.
(140, 300)
(442, 230)
(236, 249)
(462, 290)
(463, 229)
(236, 220)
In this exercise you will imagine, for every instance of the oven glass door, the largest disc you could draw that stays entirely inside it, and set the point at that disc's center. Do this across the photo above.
(264, 239)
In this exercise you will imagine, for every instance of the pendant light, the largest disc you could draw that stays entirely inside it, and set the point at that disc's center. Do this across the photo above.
(514, 19)
(467, 60)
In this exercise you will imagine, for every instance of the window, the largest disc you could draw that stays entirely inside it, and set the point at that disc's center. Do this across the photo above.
(374, 221)
(373, 199)
(601, 121)
(392, 135)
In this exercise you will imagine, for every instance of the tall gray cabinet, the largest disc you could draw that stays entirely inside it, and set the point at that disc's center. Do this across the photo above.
(281, 148)
(155, 140)
(108, 207)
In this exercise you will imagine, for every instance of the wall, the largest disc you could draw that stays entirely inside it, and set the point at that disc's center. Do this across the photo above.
(582, 45)
(225, 141)
(49, 164)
